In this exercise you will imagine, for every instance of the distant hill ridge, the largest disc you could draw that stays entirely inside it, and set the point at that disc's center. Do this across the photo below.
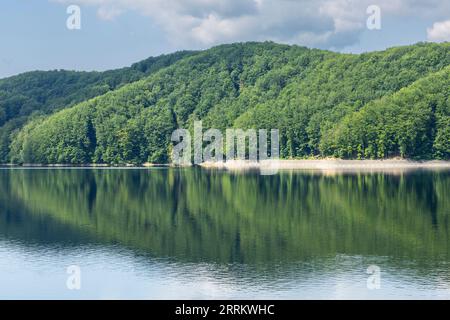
(368, 106)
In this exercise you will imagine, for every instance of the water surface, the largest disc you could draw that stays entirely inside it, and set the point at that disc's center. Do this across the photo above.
(191, 233)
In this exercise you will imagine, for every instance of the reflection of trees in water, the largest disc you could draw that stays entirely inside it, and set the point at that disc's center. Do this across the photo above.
(215, 216)
(424, 187)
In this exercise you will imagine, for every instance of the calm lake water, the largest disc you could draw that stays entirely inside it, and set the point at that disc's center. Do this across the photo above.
(191, 233)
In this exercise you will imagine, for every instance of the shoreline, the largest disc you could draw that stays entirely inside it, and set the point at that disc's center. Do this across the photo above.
(237, 165)
(330, 164)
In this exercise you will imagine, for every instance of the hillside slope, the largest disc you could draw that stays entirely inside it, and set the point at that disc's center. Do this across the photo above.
(316, 98)
(44, 92)
(413, 122)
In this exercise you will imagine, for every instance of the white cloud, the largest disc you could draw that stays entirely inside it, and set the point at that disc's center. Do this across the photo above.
(322, 23)
(439, 32)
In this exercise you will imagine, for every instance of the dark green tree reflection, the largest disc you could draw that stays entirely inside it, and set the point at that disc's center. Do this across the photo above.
(214, 216)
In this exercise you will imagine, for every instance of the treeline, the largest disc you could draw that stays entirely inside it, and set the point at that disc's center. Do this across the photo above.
(373, 105)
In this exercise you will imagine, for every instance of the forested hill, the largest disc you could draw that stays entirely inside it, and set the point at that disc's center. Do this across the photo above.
(43, 92)
(373, 105)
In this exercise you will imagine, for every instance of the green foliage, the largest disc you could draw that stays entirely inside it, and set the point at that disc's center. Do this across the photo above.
(373, 105)
(24, 96)
(412, 123)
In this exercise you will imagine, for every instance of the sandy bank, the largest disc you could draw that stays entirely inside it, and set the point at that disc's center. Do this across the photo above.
(329, 165)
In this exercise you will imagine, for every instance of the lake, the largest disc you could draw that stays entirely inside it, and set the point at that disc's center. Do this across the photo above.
(210, 234)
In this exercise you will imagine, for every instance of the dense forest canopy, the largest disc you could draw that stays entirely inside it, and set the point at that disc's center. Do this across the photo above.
(32, 94)
(372, 105)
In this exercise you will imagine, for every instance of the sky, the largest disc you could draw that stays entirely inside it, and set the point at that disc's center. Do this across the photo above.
(44, 35)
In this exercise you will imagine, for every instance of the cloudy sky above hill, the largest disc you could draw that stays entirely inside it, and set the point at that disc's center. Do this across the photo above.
(114, 33)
